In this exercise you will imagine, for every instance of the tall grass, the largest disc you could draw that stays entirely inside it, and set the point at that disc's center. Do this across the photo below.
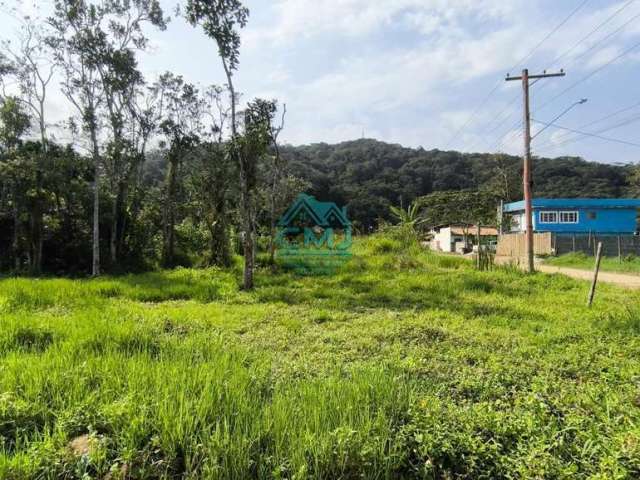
(404, 364)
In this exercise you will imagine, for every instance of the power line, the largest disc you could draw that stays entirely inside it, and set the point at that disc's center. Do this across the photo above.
(566, 110)
(598, 27)
(493, 128)
(524, 59)
(589, 134)
(628, 121)
(558, 27)
(473, 115)
(587, 77)
(574, 60)
(607, 117)
(513, 131)
(594, 122)
(599, 42)
(564, 54)
(605, 38)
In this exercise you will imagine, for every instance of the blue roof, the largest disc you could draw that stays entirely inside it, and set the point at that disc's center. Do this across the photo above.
(627, 203)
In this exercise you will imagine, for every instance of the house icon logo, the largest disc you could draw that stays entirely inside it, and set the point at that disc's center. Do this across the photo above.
(313, 236)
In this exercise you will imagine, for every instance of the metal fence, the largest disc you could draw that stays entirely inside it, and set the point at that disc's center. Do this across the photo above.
(514, 244)
(612, 245)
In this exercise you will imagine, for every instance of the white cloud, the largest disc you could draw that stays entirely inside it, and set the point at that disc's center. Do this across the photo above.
(303, 19)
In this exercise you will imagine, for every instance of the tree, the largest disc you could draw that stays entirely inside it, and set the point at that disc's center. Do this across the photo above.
(14, 123)
(33, 73)
(211, 182)
(250, 148)
(220, 20)
(181, 111)
(120, 38)
(634, 180)
(506, 182)
(279, 184)
(76, 41)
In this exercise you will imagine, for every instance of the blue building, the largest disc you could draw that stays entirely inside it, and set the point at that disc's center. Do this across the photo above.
(598, 216)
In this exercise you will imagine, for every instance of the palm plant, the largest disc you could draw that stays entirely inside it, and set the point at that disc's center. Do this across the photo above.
(410, 217)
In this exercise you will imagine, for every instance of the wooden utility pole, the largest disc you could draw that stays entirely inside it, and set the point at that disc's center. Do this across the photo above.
(526, 175)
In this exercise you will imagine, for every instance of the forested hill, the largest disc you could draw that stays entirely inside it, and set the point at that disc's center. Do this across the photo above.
(369, 175)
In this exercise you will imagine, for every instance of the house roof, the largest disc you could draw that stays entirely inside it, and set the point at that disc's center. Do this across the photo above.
(322, 213)
(624, 203)
(471, 231)
(459, 229)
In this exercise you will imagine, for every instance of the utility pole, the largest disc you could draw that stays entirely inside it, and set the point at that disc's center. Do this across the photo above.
(526, 175)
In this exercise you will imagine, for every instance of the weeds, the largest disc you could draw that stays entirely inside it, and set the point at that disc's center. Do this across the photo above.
(404, 364)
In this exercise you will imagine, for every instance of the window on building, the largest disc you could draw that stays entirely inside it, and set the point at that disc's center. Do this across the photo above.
(569, 217)
(548, 217)
(592, 215)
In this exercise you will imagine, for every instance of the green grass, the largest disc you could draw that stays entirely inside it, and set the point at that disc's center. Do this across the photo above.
(403, 365)
(629, 264)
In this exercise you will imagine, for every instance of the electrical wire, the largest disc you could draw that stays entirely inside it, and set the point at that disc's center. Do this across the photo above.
(595, 122)
(574, 60)
(588, 35)
(590, 134)
(524, 59)
(587, 77)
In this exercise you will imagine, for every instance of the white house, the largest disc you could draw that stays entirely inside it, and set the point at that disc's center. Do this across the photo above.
(458, 238)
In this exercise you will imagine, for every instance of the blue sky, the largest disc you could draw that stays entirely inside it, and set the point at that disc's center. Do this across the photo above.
(414, 71)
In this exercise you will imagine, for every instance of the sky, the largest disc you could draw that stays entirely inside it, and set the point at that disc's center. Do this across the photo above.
(429, 73)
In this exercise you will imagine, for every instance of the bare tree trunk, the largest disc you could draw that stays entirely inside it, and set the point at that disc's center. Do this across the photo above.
(35, 242)
(95, 265)
(248, 241)
(37, 221)
(170, 213)
(219, 240)
(16, 231)
(113, 254)
(121, 226)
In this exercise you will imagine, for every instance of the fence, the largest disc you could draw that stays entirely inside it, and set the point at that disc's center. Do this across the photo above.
(514, 244)
(612, 245)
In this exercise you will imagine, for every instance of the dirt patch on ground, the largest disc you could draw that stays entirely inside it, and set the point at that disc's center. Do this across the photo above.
(620, 279)
(80, 445)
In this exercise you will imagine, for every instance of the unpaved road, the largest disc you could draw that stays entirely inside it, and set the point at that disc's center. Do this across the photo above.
(621, 279)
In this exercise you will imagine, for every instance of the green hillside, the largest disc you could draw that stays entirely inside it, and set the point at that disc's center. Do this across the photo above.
(368, 175)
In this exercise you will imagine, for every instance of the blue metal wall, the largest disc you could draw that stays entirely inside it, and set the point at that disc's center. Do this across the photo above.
(613, 215)
(608, 220)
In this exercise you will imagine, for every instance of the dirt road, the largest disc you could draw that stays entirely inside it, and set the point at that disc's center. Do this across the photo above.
(621, 279)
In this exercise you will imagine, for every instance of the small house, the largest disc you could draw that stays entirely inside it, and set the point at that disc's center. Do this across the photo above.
(457, 238)
(586, 216)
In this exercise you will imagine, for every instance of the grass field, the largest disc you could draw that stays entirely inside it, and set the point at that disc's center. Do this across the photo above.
(584, 262)
(404, 365)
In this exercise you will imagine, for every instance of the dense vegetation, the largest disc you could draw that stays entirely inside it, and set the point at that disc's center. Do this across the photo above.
(369, 176)
(365, 175)
(404, 365)
(95, 205)
(91, 195)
